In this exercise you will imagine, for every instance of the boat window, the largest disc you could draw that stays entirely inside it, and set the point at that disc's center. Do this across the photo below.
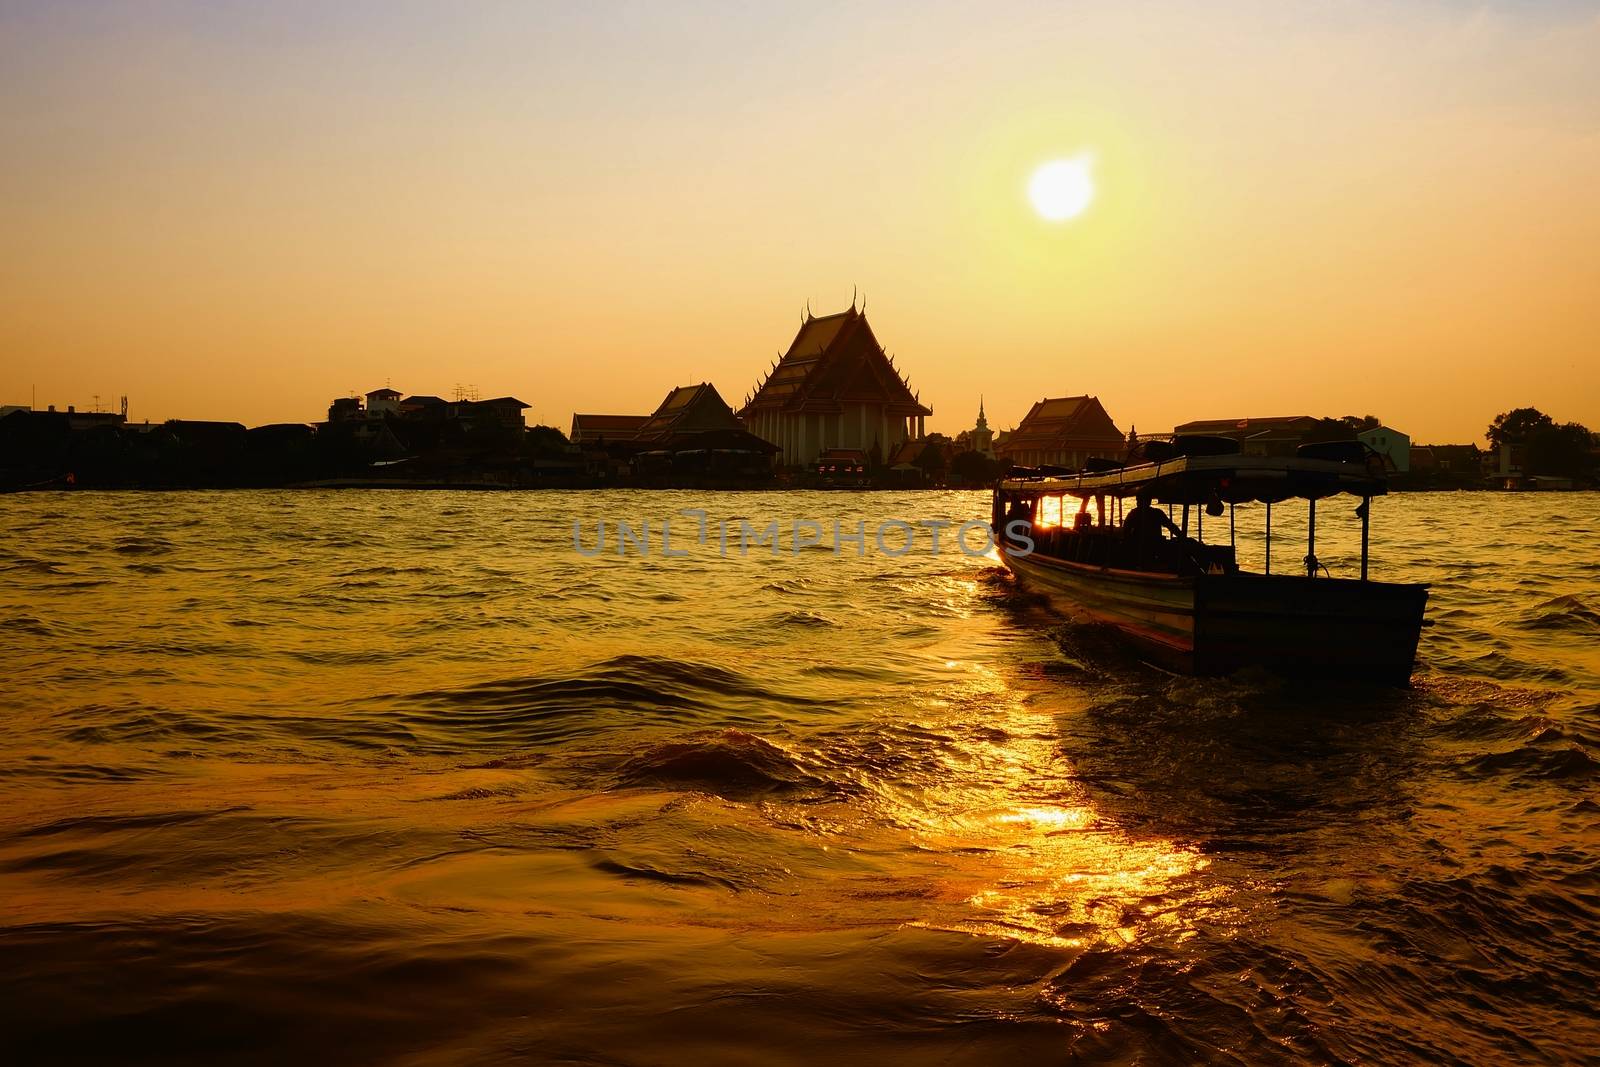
(1090, 506)
(1049, 512)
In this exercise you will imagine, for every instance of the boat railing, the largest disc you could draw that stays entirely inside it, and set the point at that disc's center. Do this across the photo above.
(1205, 483)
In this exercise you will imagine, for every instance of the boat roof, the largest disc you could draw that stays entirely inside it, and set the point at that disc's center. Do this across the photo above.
(1197, 479)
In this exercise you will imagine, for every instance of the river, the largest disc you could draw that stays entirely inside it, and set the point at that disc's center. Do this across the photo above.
(406, 777)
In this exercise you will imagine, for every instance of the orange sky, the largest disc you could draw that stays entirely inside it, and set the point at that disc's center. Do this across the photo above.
(243, 211)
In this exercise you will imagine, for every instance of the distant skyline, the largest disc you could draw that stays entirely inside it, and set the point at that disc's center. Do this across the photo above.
(242, 211)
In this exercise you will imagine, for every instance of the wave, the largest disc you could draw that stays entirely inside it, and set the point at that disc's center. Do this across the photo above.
(1563, 613)
(1542, 761)
(729, 763)
(142, 546)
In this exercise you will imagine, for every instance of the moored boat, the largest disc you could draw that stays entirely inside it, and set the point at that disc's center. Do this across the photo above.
(1187, 605)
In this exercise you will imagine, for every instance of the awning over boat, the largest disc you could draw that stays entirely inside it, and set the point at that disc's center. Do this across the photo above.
(1200, 479)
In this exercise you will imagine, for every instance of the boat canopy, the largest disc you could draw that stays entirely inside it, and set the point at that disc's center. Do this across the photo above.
(1232, 479)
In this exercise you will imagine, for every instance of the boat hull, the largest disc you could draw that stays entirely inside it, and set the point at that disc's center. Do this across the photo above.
(1215, 624)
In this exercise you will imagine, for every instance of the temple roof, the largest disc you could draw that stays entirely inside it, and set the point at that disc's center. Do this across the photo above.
(1056, 422)
(616, 427)
(834, 359)
(1229, 427)
(689, 408)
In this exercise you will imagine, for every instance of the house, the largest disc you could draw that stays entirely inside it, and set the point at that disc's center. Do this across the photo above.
(592, 431)
(694, 431)
(687, 411)
(426, 406)
(33, 444)
(1065, 431)
(842, 467)
(367, 424)
(280, 435)
(74, 419)
(692, 434)
(921, 459)
(1391, 444)
(502, 413)
(834, 388)
(1459, 461)
(1273, 436)
(383, 401)
(1445, 467)
(1511, 459)
(279, 452)
(345, 409)
(213, 437)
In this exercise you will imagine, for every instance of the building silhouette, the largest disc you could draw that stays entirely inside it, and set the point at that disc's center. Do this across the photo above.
(834, 389)
(1276, 435)
(1064, 431)
(980, 438)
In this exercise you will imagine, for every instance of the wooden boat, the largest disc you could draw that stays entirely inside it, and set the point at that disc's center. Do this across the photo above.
(1186, 605)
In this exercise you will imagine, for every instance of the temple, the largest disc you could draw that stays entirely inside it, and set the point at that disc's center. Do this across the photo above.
(692, 438)
(687, 414)
(1064, 431)
(835, 388)
(980, 438)
(596, 430)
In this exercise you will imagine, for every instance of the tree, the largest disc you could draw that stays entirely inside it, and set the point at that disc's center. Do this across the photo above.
(1516, 426)
(974, 468)
(1363, 422)
(544, 441)
(931, 459)
(1327, 429)
(1564, 450)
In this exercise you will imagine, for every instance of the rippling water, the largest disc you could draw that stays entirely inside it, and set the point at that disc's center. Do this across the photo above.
(402, 777)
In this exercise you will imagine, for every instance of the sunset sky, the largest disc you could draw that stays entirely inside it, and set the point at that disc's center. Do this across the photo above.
(241, 211)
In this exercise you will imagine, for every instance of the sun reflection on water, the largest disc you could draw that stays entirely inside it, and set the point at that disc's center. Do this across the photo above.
(1031, 857)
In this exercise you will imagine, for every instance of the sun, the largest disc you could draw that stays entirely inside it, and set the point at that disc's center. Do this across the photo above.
(1061, 189)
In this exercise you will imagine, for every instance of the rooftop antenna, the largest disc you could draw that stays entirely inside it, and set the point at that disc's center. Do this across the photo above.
(97, 403)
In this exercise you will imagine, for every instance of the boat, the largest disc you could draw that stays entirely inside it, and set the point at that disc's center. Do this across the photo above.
(1186, 605)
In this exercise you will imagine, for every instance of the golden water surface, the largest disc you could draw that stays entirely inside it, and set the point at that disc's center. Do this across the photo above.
(405, 777)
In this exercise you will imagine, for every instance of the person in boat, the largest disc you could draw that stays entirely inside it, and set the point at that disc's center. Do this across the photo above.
(1018, 511)
(1144, 526)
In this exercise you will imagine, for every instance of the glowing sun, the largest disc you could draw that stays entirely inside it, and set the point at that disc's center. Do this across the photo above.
(1061, 189)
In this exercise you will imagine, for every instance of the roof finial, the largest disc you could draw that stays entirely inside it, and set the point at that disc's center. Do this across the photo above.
(852, 298)
(808, 309)
(980, 405)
